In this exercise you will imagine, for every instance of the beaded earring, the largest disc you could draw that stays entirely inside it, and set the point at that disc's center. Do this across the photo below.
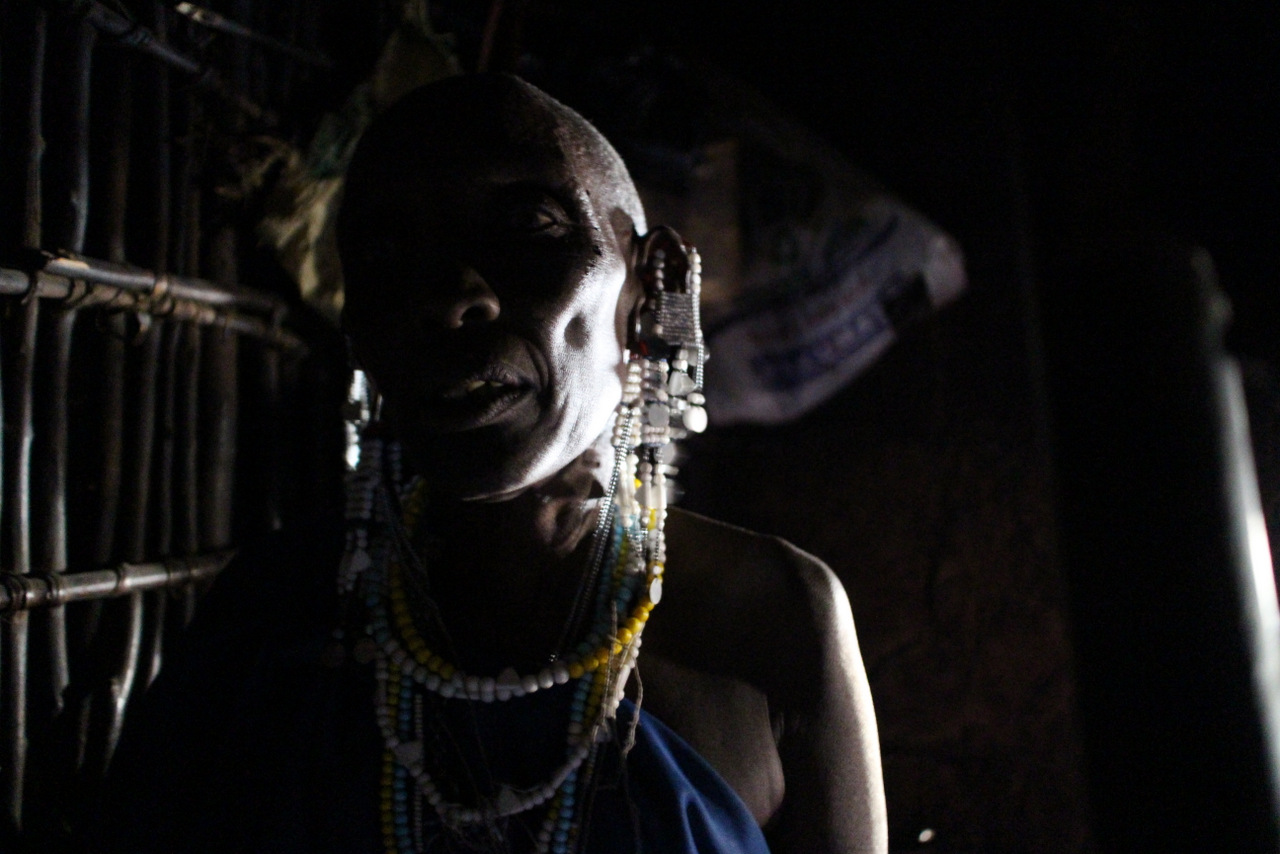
(666, 354)
(662, 396)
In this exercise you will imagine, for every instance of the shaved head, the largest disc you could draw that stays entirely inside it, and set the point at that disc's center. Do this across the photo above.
(497, 115)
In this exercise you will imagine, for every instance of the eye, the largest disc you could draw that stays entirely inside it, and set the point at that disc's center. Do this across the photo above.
(536, 217)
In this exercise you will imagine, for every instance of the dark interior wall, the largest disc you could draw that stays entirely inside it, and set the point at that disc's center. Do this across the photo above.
(1137, 109)
(1035, 136)
(927, 484)
(1030, 135)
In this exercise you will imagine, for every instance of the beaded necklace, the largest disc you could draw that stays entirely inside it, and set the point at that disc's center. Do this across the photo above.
(628, 586)
(661, 401)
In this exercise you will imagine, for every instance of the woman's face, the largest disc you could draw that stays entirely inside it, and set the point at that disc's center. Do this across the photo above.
(487, 297)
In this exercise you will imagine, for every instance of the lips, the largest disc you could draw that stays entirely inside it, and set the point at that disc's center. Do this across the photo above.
(474, 400)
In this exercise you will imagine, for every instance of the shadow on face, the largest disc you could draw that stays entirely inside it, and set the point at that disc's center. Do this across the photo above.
(486, 240)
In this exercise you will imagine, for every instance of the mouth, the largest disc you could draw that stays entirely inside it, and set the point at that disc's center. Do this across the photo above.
(474, 401)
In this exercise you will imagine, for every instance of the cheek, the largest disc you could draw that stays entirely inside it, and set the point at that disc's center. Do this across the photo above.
(593, 351)
(602, 337)
(595, 319)
(577, 332)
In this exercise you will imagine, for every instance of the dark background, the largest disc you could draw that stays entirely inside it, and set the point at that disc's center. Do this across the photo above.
(939, 485)
(1035, 137)
(1039, 137)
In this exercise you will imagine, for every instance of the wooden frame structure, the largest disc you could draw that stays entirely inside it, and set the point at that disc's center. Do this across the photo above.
(145, 392)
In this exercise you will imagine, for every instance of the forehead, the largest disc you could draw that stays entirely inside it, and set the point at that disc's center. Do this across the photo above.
(421, 157)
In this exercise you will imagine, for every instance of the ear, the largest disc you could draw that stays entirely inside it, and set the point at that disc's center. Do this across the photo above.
(661, 261)
(654, 258)
(669, 272)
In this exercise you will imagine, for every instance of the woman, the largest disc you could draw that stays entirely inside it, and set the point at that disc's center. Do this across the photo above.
(535, 348)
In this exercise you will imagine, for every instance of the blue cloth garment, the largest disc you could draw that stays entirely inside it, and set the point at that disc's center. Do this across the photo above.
(682, 804)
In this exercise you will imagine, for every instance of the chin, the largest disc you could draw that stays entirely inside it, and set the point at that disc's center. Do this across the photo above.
(473, 471)
(497, 465)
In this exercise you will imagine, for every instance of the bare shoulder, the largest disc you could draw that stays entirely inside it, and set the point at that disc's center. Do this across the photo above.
(754, 605)
(720, 554)
(705, 543)
(753, 610)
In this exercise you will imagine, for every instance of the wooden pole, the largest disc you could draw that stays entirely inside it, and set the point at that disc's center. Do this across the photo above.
(21, 336)
(118, 27)
(66, 188)
(66, 181)
(54, 287)
(41, 590)
(157, 122)
(120, 644)
(93, 485)
(162, 538)
(187, 453)
(214, 21)
(187, 239)
(166, 439)
(49, 504)
(219, 408)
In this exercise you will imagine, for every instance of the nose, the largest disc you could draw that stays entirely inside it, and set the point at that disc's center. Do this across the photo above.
(464, 299)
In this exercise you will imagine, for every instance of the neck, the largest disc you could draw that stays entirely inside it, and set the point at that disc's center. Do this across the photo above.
(543, 523)
(505, 573)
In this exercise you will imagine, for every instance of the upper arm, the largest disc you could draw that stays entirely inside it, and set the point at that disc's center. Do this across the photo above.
(759, 610)
(834, 800)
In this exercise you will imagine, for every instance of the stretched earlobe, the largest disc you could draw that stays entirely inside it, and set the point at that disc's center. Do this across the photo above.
(663, 252)
(670, 274)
